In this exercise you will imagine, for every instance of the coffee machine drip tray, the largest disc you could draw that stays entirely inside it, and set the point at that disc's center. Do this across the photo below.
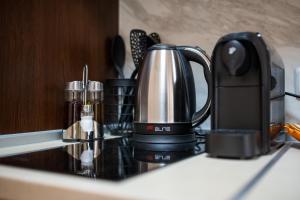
(233, 143)
(111, 159)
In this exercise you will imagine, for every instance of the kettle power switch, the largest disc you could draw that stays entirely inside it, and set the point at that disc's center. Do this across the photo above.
(233, 56)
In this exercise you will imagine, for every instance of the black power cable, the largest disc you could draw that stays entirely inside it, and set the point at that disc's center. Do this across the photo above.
(291, 94)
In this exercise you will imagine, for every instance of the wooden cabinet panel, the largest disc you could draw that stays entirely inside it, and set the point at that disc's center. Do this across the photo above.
(44, 44)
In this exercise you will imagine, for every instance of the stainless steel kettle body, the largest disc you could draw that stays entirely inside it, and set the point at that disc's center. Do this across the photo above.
(165, 94)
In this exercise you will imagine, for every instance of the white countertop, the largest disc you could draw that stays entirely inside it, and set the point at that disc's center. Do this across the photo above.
(198, 177)
(283, 180)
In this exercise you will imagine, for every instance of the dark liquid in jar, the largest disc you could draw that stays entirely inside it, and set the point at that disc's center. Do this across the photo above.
(98, 111)
(72, 112)
(98, 115)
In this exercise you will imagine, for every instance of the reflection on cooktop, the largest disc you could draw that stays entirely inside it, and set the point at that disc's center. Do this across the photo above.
(111, 159)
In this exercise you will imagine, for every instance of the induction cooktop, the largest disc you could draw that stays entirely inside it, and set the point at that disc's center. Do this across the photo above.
(111, 159)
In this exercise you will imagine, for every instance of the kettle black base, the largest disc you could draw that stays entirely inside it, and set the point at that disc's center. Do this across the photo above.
(159, 133)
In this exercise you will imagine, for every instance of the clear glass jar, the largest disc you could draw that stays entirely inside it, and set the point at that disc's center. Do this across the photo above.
(73, 103)
(95, 97)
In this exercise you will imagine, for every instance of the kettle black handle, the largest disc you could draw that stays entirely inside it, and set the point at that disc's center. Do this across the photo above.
(196, 54)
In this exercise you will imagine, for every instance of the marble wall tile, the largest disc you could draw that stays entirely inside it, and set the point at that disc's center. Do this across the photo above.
(203, 22)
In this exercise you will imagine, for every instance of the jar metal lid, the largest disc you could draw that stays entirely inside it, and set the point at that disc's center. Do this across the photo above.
(95, 86)
(74, 86)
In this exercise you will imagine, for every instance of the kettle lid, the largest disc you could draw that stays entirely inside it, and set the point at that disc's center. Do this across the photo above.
(162, 47)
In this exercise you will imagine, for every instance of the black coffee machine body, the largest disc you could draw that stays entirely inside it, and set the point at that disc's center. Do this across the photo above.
(248, 96)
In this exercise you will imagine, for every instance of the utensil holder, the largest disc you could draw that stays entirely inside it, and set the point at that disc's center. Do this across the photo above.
(119, 98)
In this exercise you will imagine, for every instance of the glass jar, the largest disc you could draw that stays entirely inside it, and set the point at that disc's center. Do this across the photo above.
(73, 103)
(95, 97)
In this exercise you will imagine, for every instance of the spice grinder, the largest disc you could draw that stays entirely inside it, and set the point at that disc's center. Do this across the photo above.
(83, 110)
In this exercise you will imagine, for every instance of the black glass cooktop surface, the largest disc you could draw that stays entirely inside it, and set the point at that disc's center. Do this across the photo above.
(112, 159)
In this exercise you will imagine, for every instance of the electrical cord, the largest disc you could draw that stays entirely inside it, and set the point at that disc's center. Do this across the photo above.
(292, 95)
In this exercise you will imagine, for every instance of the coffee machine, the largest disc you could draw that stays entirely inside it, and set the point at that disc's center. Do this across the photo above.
(247, 110)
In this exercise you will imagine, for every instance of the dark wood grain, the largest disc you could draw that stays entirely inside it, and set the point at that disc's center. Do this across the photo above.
(44, 44)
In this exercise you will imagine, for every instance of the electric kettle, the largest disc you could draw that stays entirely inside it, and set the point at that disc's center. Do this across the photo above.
(165, 107)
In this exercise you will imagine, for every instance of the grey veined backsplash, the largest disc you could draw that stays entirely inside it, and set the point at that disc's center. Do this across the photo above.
(203, 22)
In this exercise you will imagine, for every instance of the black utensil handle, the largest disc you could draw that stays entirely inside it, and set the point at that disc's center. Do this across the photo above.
(155, 37)
(196, 54)
(134, 73)
(150, 42)
(118, 54)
